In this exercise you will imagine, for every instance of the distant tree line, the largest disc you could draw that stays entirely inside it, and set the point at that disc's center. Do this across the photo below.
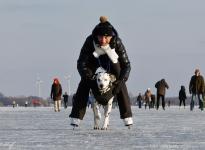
(21, 100)
(38, 101)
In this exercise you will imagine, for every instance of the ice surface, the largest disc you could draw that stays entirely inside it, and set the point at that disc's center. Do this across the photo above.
(42, 129)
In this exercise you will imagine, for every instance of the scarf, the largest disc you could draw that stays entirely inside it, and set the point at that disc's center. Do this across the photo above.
(102, 50)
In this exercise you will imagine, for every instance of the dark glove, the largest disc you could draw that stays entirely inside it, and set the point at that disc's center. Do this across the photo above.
(113, 42)
(90, 80)
(117, 86)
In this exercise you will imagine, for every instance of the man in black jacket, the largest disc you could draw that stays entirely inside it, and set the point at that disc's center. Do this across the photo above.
(103, 48)
(196, 88)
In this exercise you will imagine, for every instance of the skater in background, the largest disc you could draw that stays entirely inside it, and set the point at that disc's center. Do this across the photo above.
(139, 100)
(115, 103)
(90, 99)
(103, 48)
(161, 90)
(196, 89)
(182, 96)
(148, 98)
(65, 99)
(14, 104)
(169, 103)
(56, 92)
(26, 103)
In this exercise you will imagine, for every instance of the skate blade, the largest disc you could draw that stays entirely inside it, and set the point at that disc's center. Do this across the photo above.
(74, 126)
(129, 126)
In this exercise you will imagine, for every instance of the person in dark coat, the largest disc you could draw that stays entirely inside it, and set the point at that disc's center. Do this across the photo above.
(152, 101)
(139, 100)
(182, 96)
(103, 48)
(65, 100)
(196, 88)
(161, 90)
(56, 92)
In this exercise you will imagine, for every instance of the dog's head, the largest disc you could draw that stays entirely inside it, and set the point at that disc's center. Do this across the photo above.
(104, 80)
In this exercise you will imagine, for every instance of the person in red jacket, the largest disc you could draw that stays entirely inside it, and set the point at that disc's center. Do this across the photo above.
(56, 92)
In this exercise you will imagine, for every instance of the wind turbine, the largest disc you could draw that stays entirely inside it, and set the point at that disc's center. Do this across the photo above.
(39, 82)
(68, 77)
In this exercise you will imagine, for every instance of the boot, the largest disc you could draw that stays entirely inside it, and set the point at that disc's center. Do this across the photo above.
(75, 122)
(128, 121)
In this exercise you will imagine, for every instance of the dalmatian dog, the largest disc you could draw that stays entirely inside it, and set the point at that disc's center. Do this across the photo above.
(103, 98)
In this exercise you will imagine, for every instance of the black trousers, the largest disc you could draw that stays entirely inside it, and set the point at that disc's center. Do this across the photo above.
(182, 101)
(163, 100)
(81, 98)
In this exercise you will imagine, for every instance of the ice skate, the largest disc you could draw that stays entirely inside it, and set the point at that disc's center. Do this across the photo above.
(75, 122)
(128, 122)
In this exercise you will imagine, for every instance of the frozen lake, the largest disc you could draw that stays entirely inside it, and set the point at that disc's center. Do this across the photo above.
(43, 129)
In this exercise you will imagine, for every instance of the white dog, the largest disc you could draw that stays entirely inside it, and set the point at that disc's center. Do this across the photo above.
(103, 96)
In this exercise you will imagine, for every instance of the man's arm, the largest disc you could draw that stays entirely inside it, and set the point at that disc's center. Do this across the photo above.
(203, 85)
(190, 85)
(83, 58)
(123, 60)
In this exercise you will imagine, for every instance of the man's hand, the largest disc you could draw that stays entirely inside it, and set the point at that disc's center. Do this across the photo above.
(111, 53)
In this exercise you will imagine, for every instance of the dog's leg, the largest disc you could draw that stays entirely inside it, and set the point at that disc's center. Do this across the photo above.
(97, 115)
(107, 111)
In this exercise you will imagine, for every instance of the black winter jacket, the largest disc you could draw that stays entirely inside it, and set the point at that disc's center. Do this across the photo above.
(182, 94)
(87, 63)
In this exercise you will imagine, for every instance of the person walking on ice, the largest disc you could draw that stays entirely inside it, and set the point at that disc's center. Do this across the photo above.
(182, 96)
(161, 90)
(196, 89)
(56, 92)
(65, 100)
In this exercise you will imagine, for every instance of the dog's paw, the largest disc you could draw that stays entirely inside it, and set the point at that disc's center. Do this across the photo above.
(96, 128)
(104, 128)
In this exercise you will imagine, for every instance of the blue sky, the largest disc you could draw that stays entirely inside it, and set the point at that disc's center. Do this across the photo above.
(163, 38)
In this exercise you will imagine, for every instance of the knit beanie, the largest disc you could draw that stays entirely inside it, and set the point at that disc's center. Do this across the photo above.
(104, 28)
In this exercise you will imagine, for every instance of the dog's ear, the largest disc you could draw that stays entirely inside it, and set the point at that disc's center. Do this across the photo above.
(112, 78)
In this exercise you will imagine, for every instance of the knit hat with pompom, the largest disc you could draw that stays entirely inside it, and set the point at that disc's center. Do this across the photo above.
(104, 28)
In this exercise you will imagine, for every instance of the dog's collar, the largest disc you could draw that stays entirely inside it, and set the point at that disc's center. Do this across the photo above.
(107, 89)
